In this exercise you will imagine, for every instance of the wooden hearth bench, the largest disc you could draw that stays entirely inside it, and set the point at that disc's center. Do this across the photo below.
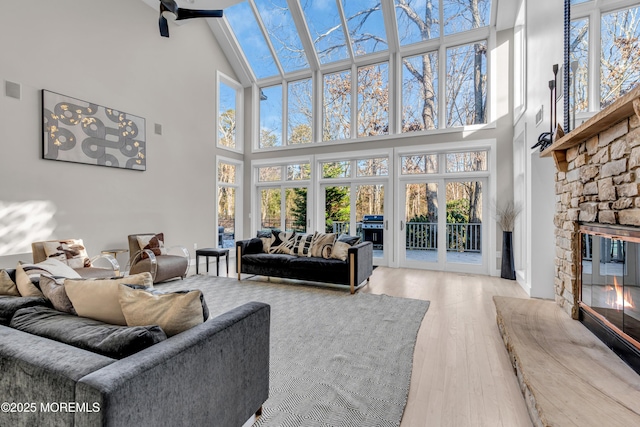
(567, 375)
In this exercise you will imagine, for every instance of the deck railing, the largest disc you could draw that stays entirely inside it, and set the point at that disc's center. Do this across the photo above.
(461, 237)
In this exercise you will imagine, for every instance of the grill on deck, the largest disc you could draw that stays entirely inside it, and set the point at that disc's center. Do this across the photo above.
(373, 229)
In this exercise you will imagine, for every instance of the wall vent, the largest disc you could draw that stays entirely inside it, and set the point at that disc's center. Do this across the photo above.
(539, 116)
(12, 90)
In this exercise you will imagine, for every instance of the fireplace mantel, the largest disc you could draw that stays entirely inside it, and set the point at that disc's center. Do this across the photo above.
(622, 108)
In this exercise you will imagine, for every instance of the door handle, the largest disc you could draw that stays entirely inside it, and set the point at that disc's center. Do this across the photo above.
(401, 225)
(386, 225)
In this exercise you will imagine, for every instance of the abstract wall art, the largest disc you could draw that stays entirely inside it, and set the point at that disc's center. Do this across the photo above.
(82, 132)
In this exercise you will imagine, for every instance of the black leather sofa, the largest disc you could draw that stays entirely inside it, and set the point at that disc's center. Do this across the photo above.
(354, 272)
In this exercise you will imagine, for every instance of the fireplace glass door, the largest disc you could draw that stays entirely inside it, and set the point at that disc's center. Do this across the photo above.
(610, 282)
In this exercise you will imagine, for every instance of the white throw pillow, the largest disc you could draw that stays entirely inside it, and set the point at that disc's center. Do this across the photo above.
(58, 268)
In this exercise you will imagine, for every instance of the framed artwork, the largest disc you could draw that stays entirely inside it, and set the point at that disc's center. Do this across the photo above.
(82, 132)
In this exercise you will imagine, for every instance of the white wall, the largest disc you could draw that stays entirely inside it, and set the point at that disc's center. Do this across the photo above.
(544, 31)
(109, 53)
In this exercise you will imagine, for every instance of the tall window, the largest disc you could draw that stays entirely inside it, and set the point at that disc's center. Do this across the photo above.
(229, 113)
(420, 92)
(300, 112)
(337, 106)
(229, 200)
(373, 100)
(467, 84)
(579, 57)
(271, 116)
(613, 50)
(620, 47)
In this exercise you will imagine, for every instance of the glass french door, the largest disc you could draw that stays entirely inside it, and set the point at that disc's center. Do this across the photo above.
(283, 208)
(420, 231)
(442, 226)
(347, 209)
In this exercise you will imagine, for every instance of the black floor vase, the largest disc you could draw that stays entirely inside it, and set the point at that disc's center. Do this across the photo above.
(508, 271)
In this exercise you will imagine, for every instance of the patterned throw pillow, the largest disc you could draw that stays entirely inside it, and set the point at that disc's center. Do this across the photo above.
(282, 242)
(71, 252)
(322, 244)
(153, 242)
(302, 244)
(26, 275)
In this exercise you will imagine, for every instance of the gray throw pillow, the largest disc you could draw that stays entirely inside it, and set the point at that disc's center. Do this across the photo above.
(351, 240)
(53, 290)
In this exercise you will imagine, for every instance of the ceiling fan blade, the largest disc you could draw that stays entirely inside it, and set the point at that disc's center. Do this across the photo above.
(197, 13)
(169, 5)
(164, 26)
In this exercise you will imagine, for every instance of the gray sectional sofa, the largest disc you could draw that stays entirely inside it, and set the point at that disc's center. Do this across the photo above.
(354, 272)
(216, 373)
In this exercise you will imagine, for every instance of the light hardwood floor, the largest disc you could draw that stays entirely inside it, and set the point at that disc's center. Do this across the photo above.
(462, 375)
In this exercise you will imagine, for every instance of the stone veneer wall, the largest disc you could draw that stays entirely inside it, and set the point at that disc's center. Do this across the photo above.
(601, 185)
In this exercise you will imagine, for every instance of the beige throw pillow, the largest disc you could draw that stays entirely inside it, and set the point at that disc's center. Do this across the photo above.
(7, 287)
(98, 298)
(173, 312)
(23, 279)
(340, 251)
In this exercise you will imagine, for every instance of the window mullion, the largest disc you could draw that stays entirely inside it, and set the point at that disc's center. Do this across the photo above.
(353, 129)
(595, 48)
(318, 108)
(441, 114)
(393, 88)
(285, 113)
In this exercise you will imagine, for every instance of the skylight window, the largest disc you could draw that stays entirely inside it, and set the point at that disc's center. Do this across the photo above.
(366, 26)
(283, 34)
(418, 20)
(342, 52)
(247, 31)
(325, 26)
(463, 16)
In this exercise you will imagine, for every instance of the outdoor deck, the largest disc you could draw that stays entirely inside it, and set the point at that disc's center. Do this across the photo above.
(432, 256)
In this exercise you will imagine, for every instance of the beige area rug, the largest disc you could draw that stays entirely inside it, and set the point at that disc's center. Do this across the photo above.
(336, 359)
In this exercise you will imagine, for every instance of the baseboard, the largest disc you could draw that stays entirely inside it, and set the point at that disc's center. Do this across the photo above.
(522, 281)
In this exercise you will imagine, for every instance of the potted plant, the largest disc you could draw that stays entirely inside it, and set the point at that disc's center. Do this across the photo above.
(506, 215)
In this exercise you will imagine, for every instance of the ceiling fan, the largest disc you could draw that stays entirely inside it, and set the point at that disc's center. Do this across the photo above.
(180, 13)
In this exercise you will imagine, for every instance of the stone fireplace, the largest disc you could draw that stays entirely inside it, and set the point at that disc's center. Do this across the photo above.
(598, 208)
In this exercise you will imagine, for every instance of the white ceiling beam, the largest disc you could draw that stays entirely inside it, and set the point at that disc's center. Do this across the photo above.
(505, 12)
